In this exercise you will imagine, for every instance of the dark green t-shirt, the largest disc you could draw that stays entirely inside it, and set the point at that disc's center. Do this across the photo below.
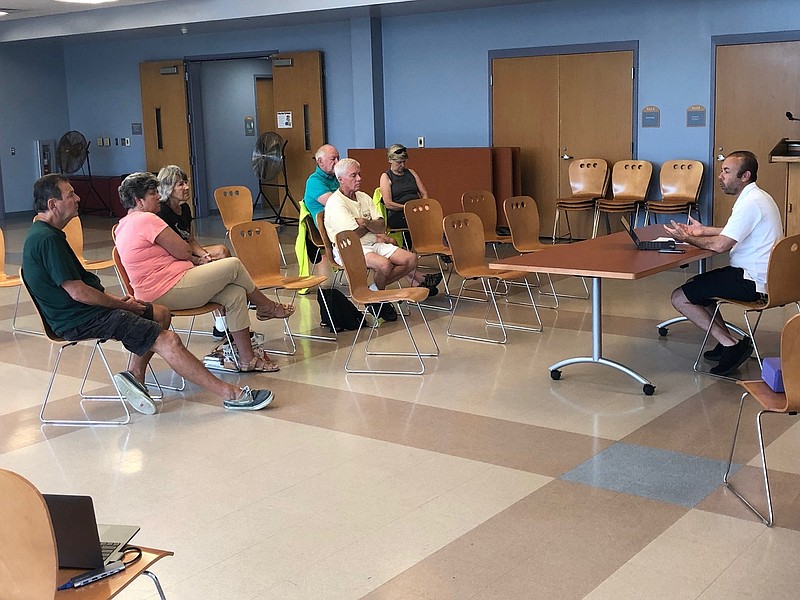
(47, 262)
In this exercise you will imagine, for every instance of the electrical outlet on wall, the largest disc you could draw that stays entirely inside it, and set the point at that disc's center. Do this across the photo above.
(421, 141)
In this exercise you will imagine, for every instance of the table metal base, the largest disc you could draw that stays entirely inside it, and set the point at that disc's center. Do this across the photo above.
(597, 346)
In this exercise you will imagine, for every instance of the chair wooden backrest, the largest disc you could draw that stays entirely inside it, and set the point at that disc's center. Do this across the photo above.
(783, 272)
(48, 331)
(124, 280)
(630, 180)
(257, 246)
(235, 203)
(74, 232)
(588, 177)
(681, 180)
(424, 218)
(355, 265)
(483, 204)
(522, 215)
(326, 241)
(28, 560)
(790, 363)
(6, 280)
(464, 232)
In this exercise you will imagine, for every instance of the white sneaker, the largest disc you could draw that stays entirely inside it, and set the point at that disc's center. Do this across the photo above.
(135, 393)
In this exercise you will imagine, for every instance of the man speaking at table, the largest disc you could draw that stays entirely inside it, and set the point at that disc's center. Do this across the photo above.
(750, 234)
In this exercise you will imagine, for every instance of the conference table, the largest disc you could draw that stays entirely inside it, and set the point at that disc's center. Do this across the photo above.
(607, 257)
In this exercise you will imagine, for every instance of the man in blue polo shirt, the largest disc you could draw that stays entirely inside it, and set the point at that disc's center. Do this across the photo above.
(322, 182)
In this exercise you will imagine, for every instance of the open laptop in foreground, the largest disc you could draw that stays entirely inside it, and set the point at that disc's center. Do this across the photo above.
(80, 541)
(641, 245)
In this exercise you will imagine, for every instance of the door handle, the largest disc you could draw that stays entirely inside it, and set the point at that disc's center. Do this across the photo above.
(566, 156)
(720, 157)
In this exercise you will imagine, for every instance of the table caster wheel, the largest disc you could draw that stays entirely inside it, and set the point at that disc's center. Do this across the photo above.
(663, 331)
(555, 374)
(648, 389)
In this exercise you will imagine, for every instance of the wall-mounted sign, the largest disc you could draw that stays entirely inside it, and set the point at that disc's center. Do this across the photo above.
(651, 116)
(285, 120)
(136, 129)
(249, 125)
(696, 116)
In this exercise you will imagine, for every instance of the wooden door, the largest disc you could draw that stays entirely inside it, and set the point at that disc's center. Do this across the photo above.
(165, 116)
(578, 105)
(297, 88)
(755, 85)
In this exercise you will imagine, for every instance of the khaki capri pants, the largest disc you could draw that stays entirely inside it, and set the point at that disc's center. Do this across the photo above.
(224, 281)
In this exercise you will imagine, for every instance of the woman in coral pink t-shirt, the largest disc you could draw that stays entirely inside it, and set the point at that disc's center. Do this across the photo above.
(163, 269)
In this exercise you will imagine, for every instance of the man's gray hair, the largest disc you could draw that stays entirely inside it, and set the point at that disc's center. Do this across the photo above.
(344, 165)
(168, 178)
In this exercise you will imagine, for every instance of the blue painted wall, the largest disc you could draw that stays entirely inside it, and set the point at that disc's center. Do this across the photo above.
(435, 70)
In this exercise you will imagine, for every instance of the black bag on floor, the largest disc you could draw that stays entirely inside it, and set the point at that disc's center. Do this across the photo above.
(346, 317)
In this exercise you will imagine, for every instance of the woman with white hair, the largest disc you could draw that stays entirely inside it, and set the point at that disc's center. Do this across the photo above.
(173, 186)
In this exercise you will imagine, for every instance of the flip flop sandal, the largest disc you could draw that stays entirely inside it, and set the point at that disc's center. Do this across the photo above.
(265, 366)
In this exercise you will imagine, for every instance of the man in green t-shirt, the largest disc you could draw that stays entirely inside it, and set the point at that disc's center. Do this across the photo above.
(76, 307)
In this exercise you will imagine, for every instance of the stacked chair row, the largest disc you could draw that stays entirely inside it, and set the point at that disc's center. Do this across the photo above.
(589, 178)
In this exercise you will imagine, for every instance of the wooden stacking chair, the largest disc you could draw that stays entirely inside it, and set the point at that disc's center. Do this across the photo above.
(256, 244)
(96, 349)
(465, 236)
(630, 180)
(424, 218)
(8, 281)
(588, 179)
(235, 204)
(786, 403)
(483, 204)
(74, 233)
(783, 287)
(355, 266)
(680, 181)
(522, 215)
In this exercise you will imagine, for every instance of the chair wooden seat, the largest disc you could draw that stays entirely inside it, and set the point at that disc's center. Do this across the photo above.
(787, 403)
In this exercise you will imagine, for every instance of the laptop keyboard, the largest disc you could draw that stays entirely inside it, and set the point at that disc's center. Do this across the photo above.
(107, 548)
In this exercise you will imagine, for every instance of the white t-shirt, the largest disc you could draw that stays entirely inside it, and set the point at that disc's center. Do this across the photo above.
(755, 224)
(341, 213)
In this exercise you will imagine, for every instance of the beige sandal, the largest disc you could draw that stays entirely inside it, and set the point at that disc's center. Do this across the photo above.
(276, 311)
(260, 363)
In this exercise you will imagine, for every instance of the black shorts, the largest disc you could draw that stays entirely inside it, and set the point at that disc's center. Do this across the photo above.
(136, 333)
(727, 282)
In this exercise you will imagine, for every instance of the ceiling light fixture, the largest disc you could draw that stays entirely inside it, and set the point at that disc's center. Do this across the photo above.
(86, 1)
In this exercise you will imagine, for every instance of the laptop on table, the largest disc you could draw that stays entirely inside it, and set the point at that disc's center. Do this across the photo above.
(80, 541)
(643, 245)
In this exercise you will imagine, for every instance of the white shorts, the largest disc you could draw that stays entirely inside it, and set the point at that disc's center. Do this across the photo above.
(380, 248)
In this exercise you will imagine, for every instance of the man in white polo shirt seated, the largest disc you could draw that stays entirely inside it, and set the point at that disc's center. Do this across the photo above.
(750, 234)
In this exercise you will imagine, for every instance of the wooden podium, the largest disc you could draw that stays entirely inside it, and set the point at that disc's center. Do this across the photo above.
(788, 151)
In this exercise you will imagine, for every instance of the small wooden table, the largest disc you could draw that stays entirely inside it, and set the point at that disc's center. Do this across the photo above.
(608, 257)
(111, 586)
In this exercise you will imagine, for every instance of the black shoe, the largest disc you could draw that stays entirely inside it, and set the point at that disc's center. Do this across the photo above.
(218, 335)
(432, 290)
(715, 353)
(733, 357)
(388, 313)
(431, 280)
(446, 258)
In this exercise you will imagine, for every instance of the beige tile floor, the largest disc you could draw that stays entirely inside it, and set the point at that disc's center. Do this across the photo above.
(447, 485)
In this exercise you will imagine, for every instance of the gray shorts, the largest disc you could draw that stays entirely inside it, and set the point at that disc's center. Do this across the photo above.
(136, 333)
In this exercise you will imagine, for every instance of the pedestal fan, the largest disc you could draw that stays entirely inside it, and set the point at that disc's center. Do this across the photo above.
(72, 152)
(269, 161)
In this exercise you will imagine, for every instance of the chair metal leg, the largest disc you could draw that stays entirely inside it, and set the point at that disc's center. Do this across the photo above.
(768, 520)
(157, 583)
(85, 397)
(416, 353)
(14, 320)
